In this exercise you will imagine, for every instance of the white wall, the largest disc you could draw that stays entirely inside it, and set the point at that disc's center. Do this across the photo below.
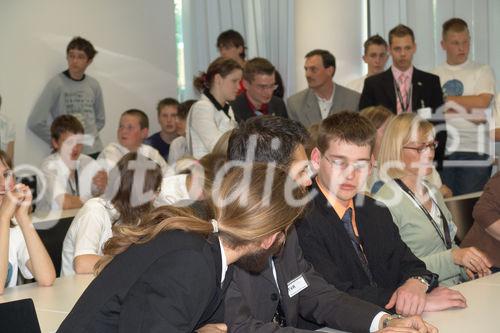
(136, 64)
(335, 25)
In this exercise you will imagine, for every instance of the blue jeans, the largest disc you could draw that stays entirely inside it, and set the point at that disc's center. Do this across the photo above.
(466, 179)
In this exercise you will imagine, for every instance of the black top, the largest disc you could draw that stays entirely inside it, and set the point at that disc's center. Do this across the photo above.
(157, 143)
(327, 246)
(169, 284)
(243, 111)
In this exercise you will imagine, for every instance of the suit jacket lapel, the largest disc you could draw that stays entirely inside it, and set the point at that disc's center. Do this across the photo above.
(390, 89)
(417, 86)
(312, 111)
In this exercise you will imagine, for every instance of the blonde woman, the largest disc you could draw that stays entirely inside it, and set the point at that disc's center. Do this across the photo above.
(425, 224)
(380, 117)
(170, 273)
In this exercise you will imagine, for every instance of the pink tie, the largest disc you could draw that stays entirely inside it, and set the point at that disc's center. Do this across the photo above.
(403, 88)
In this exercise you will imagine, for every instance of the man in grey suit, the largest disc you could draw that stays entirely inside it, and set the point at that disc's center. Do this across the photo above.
(289, 296)
(324, 96)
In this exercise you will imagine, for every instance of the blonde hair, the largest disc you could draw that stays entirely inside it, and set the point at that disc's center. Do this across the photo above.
(220, 147)
(266, 212)
(378, 115)
(400, 130)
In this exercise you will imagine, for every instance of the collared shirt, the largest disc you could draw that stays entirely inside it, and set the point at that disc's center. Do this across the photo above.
(340, 211)
(257, 111)
(339, 208)
(325, 104)
(223, 262)
(397, 74)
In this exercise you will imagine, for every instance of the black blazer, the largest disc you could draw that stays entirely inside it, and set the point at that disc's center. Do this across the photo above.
(169, 284)
(328, 247)
(252, 299)
(242, 110)
(379, 90)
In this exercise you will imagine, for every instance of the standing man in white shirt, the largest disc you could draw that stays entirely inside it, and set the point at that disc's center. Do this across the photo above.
(375, 57)
(472, 86)
(323, 96)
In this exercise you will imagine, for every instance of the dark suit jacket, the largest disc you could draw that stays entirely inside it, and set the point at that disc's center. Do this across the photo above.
(169, 284)
(328, 247)
(379, 90)
(242, 110)
(252, 299)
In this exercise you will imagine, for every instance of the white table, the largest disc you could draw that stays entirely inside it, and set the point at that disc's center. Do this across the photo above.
(481, 314)
(52, 304)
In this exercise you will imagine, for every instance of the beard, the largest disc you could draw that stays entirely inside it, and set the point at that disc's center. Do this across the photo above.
(258, 260)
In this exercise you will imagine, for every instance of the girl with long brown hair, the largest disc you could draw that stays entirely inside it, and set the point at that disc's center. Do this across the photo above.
(170, 273)
(212, 116)
(124, 203)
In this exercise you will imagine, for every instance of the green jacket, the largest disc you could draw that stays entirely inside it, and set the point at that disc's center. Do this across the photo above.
(419, 234)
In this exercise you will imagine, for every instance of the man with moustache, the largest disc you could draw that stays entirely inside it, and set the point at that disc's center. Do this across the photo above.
(288, 290)
(323, 97)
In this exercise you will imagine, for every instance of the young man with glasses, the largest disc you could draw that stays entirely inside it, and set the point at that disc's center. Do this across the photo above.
(259, 80)
(350, 238)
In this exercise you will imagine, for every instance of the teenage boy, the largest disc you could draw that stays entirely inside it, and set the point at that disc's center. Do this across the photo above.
(132, 131)
(72, 92)
(167, 116)
(472, 86)
(67, 171)
(375, 57)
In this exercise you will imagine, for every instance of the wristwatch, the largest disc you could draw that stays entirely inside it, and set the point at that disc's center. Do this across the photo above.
(422, 280)
(386, 321)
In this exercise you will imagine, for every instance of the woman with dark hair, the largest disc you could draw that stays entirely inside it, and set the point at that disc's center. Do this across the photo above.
(212, 115)
(170, 273)
(20, 246)
(124, 203)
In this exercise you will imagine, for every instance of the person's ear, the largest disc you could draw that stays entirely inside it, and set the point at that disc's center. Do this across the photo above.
(315, 158)
(144, 133)
(246, 84)
(55, 144)
(217, 79)
(268, 241)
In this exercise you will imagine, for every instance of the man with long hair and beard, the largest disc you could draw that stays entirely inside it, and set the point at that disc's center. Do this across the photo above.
(170, 272)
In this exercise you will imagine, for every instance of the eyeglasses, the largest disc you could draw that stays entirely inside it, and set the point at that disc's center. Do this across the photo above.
(428, 147)
(342, 164)
(272, 87)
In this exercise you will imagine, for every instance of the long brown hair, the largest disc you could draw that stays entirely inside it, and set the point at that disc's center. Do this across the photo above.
(125, 190)
(221, 66)
(264, 213)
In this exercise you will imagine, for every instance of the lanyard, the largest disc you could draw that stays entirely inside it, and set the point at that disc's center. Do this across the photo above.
(404, 107)
(446, 238)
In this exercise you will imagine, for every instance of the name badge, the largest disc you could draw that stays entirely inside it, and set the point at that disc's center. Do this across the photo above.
(296, 285)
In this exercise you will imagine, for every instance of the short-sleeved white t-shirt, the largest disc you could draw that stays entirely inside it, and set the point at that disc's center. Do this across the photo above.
(88, 232)
(18, 256)
(466, 79)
